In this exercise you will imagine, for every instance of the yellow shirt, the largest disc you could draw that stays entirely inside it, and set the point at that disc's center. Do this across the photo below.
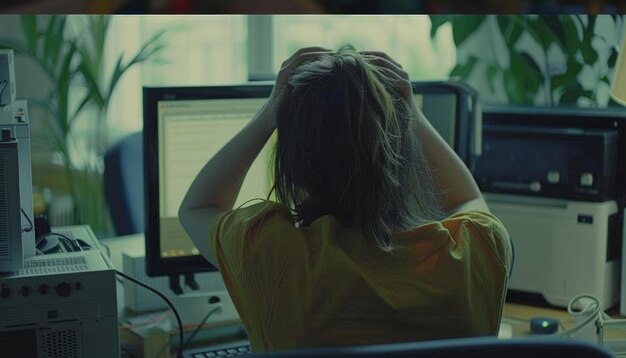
(323, 285)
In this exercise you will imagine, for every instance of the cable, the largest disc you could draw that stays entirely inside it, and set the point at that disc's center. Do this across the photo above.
(156, 319)
(29, 222)
(594, 306)
(195, 331)
(169, 303)
(6, 84)
(65, 240)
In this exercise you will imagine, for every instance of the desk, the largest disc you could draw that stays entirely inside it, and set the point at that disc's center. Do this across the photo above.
(518, 316)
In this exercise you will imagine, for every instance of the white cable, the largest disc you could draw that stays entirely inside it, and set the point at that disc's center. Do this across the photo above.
(593, 306)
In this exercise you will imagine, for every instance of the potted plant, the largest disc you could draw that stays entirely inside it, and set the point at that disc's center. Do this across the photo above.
(70, 51)
(524, 66)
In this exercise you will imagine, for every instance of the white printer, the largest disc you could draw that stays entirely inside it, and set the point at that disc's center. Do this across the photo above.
(551, 176)
(560, 247)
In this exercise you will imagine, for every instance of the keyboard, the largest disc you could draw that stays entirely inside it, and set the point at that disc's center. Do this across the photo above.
(230, 349)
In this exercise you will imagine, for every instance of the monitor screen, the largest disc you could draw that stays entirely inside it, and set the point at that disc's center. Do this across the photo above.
(185, 126)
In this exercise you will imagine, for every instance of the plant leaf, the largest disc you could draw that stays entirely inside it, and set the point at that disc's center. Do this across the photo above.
(571, 41)
(464, 71)
(554, 25)
(464, 26)
(63, 89)
(527, 74)
(589, 54)
(53, 41)
(150, 47)
(29, 26)
(92, 85)
(83, 104)
(510, 29)
(613, 57)
(566, 79)
(573, 92)
(524, 23)
(435, 23)
(491, 73)
(514, 90)
(545, 36)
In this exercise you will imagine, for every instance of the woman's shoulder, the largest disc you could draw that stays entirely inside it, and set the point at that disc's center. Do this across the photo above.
(251, 212)
(479, 230)
(259, 219)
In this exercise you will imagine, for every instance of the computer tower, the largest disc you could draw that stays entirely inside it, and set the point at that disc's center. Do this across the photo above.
(61, 305)
(11, 255)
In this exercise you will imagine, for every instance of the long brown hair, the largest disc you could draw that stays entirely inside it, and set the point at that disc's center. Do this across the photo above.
(346, 147)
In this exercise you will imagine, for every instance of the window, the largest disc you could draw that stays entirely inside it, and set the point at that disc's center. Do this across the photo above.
(199, 50)
(204, 50)
(405, 38)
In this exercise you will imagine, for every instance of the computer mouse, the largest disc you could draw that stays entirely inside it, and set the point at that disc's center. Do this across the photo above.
(543, 325)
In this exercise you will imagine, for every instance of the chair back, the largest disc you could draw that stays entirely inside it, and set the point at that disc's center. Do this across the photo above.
(124, 184)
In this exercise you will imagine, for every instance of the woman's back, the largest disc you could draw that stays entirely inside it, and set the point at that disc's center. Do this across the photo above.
(324, 285)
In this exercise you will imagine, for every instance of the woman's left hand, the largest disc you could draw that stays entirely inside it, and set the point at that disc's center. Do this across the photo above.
(287, 68)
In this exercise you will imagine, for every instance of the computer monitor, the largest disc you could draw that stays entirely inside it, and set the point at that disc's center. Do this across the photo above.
(185, 126)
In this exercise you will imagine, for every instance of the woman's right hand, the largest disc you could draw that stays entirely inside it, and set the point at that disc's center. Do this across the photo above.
(394, 70)
(287, 68)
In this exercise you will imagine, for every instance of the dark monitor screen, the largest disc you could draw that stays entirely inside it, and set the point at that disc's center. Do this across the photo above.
(185, 126)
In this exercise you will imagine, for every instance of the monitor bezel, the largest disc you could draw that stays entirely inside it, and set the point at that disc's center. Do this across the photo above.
(168, 266)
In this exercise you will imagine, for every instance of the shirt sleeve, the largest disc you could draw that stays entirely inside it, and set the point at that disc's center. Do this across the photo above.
(483, 249)
(233, 236)
(260, 253)
(486, 228)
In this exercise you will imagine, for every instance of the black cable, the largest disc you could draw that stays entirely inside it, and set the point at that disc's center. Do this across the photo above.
(169, 303)
(206, 318)
(29, 221)
(65, 241)
(38, 240)
(6, 84)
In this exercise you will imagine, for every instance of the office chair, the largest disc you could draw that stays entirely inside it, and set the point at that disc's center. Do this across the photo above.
(535, 347)
(123, 184)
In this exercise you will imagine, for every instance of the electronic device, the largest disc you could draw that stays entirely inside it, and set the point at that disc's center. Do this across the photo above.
(185, 126)
(61, 305)
(569, 163)
(544, 325)
(17, 241)
(562, 248)
(552, 176)
(555, 135)
(7, 77)
(231, 349)
(190, 305)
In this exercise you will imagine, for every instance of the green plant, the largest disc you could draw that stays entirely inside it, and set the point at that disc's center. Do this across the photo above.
(529, 44)
(70, 51)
